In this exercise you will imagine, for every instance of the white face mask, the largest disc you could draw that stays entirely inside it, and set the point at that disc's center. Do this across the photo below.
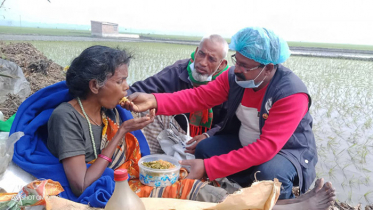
(250, 83)
(202, 77)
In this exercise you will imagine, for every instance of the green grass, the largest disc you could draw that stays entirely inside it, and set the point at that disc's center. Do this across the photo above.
(331, 45)
(43, 31)
(172, 37)
(69, 32)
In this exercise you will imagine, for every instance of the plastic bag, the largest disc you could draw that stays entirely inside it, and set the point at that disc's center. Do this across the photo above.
(33, 194)
(12, 81)
(7, 148)
(173, 143)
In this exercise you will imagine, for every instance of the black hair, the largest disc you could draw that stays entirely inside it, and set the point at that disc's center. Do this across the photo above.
(96, 62)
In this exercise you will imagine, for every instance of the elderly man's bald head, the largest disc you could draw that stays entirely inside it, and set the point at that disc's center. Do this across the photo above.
(218, 41)
(209, 58)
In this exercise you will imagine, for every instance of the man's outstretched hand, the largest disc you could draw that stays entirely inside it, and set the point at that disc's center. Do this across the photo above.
(140, 102)
(197, 168)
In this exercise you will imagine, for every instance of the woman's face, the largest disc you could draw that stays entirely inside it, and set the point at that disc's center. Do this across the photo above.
(115, 88)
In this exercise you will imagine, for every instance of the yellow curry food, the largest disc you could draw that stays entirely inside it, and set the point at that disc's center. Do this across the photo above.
(124, 99)
(159, 164)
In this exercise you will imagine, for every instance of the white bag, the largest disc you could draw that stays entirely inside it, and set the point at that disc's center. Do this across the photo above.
(7, 148)
(173, 143)
(15, 81)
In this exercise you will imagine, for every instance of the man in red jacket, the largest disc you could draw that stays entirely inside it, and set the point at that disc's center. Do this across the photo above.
(268, 126)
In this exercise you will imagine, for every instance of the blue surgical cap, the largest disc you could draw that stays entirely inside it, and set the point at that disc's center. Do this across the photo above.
(260, 45)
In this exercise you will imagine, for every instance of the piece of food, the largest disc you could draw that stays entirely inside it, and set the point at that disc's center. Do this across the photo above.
(123, 100)
(159, 164)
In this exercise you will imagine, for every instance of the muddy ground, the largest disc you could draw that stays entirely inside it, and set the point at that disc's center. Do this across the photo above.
(38, 70)
(41, 72)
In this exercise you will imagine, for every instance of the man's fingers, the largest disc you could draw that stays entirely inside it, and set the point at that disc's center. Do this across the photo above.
(132, 97)
(187, 177)
(192, 147)
(152, 112)
(190, 151)
(185, 162)
(194, 139)
(142, 119)
(191, 141)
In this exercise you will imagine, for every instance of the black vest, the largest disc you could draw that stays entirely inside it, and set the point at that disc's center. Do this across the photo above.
(300, 149)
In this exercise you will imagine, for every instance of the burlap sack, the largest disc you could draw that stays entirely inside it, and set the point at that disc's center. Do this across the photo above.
(261, 195)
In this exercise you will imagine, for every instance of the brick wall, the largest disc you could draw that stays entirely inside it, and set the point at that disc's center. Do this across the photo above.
(109, 29)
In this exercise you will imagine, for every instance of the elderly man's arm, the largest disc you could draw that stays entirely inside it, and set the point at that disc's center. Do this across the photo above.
(220, 113)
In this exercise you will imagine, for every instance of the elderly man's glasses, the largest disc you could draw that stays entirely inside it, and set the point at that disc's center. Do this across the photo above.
(243, 66)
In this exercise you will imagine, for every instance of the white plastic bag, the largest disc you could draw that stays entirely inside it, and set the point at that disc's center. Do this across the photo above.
(14, 178)
(173, 143)
(7, 148)
(15, 81)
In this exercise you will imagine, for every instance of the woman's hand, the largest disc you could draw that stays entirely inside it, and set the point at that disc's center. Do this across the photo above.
(138, 123)
(140, 102)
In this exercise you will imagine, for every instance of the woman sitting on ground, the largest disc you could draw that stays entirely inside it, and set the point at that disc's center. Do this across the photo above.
(88, 129)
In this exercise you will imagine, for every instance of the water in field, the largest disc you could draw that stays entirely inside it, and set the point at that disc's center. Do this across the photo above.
(342, 107)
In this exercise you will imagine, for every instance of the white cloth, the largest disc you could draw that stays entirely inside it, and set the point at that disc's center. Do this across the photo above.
(15, 178)
(249, 130)
(173, 142)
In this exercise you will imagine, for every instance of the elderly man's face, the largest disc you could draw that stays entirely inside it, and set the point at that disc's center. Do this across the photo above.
(207, 59)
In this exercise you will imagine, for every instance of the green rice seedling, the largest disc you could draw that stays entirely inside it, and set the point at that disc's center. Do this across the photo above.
(366, 196)
(344, 184)
(353, 181)
(349, 198)
(319, 174)
(367, 179)
(343, 169)
(366, 170)
(363, 154)
(368, 123)
(331, 173)
(332, 142)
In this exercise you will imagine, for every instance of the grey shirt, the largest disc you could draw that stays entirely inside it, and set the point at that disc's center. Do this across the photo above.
(68, 134)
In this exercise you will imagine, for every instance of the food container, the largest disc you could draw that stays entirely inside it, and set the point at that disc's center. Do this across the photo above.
(158, 177)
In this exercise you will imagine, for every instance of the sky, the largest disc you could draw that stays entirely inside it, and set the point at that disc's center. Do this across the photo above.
(329, 21)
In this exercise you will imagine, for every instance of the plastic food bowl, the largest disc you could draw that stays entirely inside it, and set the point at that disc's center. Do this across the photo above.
(158, 177)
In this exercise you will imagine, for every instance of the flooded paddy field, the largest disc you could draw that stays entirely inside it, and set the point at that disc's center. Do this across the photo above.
(342, 106)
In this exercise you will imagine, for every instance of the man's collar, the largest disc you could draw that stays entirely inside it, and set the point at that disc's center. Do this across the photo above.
(184, 76)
